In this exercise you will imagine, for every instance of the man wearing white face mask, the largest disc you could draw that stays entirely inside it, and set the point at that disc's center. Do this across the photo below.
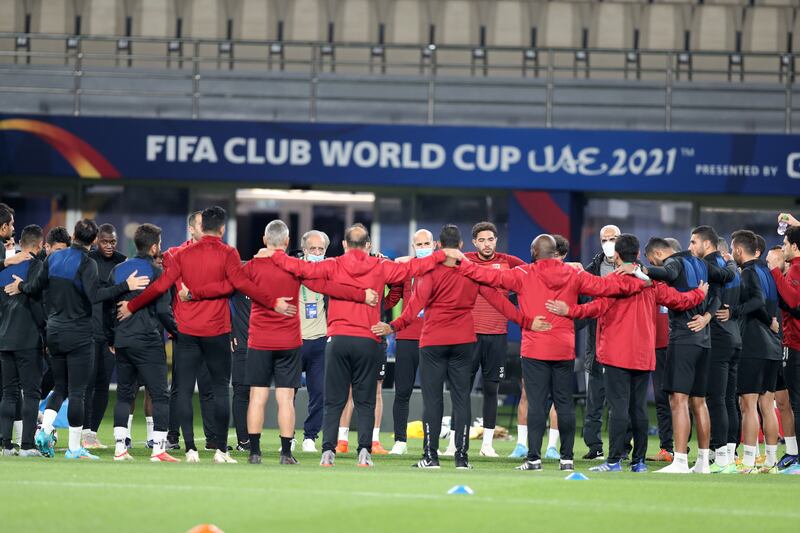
(407, 358)
(602, 265)
(314, 329)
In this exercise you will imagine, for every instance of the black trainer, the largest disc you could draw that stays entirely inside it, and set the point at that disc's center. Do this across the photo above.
(531, 465)
(254, 459)
(594, 455)
(288, 460)
(462, 461)
(428, 462)
(567, 467)
(243, 446)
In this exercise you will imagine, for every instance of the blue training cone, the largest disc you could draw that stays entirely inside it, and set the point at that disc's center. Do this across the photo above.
(576, 476)
(461, 489)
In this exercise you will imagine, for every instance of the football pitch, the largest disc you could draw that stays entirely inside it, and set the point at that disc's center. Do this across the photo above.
(61, 495)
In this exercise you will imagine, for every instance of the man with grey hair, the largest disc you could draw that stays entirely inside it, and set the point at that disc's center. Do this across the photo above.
(601, 265)
(314, 330)
(274, 338)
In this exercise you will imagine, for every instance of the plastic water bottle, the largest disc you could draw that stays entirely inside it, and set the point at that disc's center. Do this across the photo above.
(782, 225)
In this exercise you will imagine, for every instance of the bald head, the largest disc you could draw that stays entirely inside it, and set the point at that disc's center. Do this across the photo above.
(543, 247)
(356, 237)
(423, 240)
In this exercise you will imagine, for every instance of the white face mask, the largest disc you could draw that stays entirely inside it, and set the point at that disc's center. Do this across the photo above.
(608, 249)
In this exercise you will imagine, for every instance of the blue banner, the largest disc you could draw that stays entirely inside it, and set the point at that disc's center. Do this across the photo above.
(435, 156)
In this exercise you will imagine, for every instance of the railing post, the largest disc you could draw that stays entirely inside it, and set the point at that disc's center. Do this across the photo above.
(668, 93)
(196, 80)
(788, 104)
(312, 104)
(550, 89)
(431, 98)
(77, 74)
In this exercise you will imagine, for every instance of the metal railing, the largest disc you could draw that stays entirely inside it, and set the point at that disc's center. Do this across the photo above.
(192, 64)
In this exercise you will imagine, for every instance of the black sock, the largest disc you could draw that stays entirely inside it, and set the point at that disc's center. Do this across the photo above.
(255, 443)
(286, 445)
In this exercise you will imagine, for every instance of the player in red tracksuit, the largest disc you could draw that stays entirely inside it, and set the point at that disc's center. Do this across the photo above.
(353, 353)
(789, 289)
(663, 413)
(446, 345)
(491, 329)
(182, 311)
(547, 357)
(406, 346)
(626, 336)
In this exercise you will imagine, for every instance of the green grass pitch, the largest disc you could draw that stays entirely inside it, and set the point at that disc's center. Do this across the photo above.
(60, 495)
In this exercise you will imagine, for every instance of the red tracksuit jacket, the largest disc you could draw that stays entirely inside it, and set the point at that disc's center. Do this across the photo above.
(488, 320)
(789, 289)
(550, 279)
(208, 261)
(626, 331)
(358, 269)
(413, 330)
(447, 299)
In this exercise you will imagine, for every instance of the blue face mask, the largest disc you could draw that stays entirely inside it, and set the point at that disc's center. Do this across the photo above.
(315, 258)
(424, 252)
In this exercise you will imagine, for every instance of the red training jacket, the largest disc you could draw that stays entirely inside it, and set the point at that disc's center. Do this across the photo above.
(203, 263)
(662, 326)
(448, 299)
(413, 331)
(789, 289)
(358, 269)
(178, 306)
(626, 332)
(550, 279)
(488, 320)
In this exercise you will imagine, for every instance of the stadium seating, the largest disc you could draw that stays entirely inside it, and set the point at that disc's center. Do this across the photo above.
(716, 37)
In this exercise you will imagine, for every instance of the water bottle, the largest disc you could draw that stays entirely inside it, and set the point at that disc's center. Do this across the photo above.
(782, 225)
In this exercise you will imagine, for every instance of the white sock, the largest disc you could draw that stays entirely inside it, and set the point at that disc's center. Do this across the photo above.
(48, 419)
(522, 435)
(148, 420)
(702, 457)
(566, 461)
(130, 423)
(488, 435)
(85, 432)
(791, 445)
(749, 458)
(343, 433)
(681, 459)
(18, 432)
(552, 438)
(119, 440)
(772, 454)
(376, 434)
(721, 456)
(75, 438)
(159, 442)
(731, 451)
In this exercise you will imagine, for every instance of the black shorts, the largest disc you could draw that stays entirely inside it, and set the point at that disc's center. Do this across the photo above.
(490, 355)
(780, 383)
(382, 357)
(686, 370)
(757, 376)
(282, 366)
